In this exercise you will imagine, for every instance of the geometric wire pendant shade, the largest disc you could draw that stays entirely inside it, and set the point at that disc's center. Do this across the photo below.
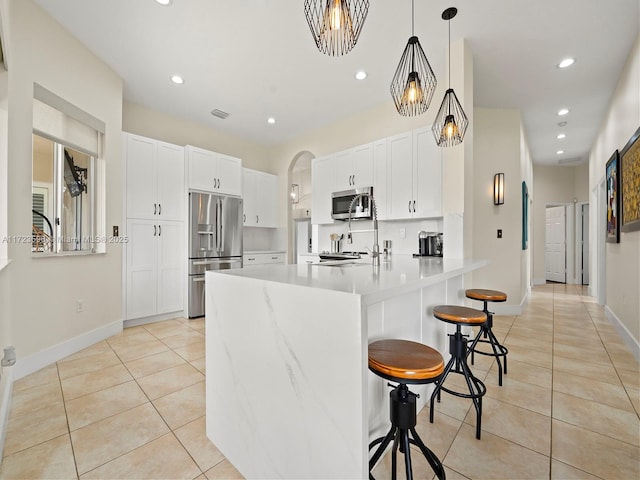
(335, 24)
(414, 82)
(451, 122)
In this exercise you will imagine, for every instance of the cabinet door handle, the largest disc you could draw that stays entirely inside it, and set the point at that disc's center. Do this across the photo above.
(274, 258)
(155, 230)
(218, 183)
(353, 179)
(159, 209)
(159, 230)
(409, 206)
(257, 219)
(244, 218)
(414, 206)
(155, 208)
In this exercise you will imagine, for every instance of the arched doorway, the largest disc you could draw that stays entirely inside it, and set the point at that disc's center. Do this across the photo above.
(299, 206)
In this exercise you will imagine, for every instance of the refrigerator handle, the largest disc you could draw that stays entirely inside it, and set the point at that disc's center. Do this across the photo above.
(221, 226)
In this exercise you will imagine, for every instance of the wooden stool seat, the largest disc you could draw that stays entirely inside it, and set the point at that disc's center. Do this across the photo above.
(485, 334)
(459, 315)
(486, 295)
(403, 359)
(404, 362)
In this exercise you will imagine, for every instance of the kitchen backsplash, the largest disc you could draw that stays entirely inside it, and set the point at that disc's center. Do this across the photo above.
(255, 238)
(389, 230)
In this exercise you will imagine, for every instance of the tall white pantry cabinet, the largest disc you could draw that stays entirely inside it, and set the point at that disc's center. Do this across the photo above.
(154, 186)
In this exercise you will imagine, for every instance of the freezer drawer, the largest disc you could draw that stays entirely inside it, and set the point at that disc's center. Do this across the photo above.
(197, 268)
(201, 265)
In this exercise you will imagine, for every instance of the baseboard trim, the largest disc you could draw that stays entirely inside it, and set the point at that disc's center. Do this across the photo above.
(506, 309)
(33, 363)
(539, 281)
(631, 342)
(153, 319)
(5, 408)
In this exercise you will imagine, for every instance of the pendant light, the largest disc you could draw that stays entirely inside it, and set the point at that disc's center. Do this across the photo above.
(451, 122)
(414, 82)
(335, 24)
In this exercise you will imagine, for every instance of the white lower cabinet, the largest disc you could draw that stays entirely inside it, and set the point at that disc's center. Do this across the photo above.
(154, 267)
(250, 259)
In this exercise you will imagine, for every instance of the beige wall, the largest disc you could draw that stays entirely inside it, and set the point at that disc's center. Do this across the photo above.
(500, 147)
(44, 290)
(153, 124)
(622, 260)
(555, 185)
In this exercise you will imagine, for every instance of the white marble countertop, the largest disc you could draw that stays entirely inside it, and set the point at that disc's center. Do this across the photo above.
(400, 274)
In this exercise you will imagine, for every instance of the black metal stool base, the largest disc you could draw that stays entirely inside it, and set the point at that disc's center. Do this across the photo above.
(458, 364)
(498, 350)
(403, 421)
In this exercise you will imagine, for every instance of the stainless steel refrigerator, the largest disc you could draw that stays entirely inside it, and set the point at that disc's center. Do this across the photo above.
(215, 241)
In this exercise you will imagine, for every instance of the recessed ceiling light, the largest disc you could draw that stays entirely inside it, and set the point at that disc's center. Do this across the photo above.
(164, 3)
(361, 75)
(567, 62)
(563, 111)
(177, 79)
(271, 120)
(560, 152)
(561, 136)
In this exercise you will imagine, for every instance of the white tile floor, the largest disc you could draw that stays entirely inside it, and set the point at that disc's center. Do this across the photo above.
(133, 406)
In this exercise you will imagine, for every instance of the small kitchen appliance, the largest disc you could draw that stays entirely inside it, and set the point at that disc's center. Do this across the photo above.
(429, 244)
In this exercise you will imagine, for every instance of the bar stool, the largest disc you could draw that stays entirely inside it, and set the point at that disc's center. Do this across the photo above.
(460, 316)
(486, 331)
(404, 362)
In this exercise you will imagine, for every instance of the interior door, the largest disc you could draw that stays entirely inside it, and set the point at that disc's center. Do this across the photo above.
(585, 244)
(555, 244)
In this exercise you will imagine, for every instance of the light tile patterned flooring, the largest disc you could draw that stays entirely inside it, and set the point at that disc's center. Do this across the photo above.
(133, 406)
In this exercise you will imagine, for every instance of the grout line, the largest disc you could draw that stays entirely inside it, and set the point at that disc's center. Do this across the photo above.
(66, 414)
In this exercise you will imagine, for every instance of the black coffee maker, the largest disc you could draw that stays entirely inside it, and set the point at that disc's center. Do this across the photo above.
(429, 244)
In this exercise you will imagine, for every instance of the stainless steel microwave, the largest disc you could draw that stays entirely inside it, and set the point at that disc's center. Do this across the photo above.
(341, 201)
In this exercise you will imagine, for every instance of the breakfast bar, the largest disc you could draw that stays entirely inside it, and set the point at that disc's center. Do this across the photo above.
(288, 391)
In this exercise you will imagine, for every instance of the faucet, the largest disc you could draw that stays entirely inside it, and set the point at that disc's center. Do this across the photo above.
(375, 252)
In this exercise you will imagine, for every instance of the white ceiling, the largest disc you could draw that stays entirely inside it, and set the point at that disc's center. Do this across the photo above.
(256, 59)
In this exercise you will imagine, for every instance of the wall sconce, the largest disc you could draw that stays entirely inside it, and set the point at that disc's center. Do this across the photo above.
(295, 193)
(498, 189)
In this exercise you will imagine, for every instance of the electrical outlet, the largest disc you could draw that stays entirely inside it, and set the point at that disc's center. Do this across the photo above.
(79, 306)
(403, 233)
(116, 231)
(499, 233)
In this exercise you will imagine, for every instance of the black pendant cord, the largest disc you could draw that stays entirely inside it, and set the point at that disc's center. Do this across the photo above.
(449, 22)
(413, 61)
(412, 19)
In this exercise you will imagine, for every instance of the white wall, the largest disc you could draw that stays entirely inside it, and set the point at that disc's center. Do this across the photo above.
(500, 148)
(622, 259)
(43, 291)
(555, 186)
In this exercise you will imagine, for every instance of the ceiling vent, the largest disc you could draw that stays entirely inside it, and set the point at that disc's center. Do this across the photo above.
(219, 114)
(565, 161)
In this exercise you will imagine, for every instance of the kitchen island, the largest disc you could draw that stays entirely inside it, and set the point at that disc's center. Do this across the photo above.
(288, 391)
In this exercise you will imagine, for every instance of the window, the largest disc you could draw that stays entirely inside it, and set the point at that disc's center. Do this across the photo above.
(66, 178)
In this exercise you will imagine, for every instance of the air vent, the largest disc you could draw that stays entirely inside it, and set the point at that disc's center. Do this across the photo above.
(569, 160)
(219, 114)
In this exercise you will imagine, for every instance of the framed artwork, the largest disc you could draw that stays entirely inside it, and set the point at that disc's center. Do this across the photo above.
(630, 184)
(525, 216)
(612, 177)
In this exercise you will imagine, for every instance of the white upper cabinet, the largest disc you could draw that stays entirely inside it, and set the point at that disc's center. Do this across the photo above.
(380, 187)
(354, 168)
(414, 173)
(213, 172)
(427, 174)
(400, 176)
(154, 178)
(322, 185)
(260, 199)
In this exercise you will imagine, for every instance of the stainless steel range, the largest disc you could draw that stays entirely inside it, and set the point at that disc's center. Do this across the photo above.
(215, 241)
